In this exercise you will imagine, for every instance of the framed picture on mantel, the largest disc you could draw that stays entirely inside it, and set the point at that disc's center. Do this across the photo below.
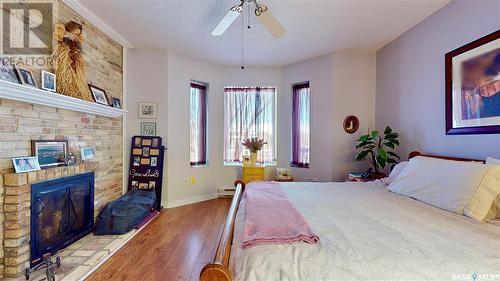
(473, 87)
(49, 153)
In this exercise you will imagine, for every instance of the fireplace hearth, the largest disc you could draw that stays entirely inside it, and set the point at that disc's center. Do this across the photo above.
(61, 213)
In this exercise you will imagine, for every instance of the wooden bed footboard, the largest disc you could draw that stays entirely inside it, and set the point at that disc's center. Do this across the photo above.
(218, 269)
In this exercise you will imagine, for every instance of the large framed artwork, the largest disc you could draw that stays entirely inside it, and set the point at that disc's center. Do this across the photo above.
(473, 87)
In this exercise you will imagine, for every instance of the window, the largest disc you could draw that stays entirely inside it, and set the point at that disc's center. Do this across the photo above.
(300, 125)
(249, 112)
(198, 122)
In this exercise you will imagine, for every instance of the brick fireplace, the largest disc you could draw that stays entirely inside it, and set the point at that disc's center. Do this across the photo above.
(22, 122)
(17, 214)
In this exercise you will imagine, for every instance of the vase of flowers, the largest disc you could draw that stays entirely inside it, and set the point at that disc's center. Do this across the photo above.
(254, 145)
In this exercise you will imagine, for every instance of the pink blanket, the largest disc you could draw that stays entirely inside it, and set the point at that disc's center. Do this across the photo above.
(271, 219)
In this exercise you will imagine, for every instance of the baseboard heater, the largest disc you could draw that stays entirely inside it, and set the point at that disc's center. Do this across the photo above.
(226, 192)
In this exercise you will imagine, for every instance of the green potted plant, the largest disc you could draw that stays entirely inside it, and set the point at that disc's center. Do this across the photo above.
(378, 149)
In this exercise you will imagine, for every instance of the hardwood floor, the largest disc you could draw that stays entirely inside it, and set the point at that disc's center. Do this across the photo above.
(175, 246)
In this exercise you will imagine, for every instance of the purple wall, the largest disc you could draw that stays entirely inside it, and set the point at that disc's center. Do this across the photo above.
(410, 80)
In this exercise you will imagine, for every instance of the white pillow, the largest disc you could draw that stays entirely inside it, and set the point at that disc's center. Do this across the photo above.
(492, 161)
(396, 171)
(445, 184)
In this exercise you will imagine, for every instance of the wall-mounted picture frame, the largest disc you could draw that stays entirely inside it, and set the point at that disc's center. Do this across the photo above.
(25, 164)
(99, 95)
(49, 153)
(88, 153)
(351, 124)
(26, 77)
(116, 102)
(473, 87)
(48, 81)
(8, 73)
(148, 110)
(148, 129)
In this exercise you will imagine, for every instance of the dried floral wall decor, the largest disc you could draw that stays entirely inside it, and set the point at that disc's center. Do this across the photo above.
(68, 61)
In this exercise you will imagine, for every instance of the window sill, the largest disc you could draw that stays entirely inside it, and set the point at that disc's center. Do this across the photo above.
(273, 164)
(299, 166)
(199, 166)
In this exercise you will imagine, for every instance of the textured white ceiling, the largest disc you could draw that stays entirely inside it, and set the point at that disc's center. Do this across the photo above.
(314, 27)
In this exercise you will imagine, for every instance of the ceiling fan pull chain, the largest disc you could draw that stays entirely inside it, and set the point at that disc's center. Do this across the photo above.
(249, 17)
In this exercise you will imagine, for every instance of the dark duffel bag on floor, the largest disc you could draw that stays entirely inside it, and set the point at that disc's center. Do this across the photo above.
(125, 213)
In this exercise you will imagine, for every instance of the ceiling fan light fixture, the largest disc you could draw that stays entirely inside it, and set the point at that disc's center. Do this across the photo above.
(261, 11)
(227, 20)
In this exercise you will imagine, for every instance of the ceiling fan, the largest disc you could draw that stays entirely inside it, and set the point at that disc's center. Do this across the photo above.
(261, 11)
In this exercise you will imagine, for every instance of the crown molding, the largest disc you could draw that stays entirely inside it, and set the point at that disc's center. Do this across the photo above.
(98, 22)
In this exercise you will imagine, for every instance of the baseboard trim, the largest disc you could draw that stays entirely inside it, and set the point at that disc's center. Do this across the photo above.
(192, 200)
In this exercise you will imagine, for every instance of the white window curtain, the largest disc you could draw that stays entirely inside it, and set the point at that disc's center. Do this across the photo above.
(249, 112)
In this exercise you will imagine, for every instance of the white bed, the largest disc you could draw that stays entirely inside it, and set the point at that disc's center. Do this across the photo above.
(369, 233)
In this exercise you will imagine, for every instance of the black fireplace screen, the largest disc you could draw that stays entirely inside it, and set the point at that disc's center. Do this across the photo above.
(62, 212)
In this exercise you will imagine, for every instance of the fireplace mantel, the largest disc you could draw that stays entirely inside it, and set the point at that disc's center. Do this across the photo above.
(18, 92)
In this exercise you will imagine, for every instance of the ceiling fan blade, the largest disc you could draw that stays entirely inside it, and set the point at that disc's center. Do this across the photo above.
(226, 22)
(272, 24)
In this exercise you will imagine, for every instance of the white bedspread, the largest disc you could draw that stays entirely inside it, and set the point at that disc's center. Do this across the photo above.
(368, 233)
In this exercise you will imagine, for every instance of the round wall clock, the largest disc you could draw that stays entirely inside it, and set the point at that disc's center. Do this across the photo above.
(351, 124)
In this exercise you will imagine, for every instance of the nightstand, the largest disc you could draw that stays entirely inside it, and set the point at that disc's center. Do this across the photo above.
(255, 173)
